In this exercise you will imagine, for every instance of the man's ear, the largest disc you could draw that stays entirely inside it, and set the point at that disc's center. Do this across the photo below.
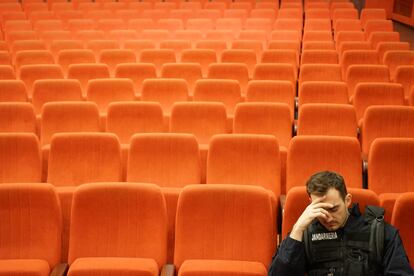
(348, 200)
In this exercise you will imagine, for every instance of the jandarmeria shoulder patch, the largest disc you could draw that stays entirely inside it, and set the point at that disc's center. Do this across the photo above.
(324, 236)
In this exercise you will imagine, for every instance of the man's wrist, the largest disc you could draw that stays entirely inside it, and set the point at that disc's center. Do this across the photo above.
(297, 232)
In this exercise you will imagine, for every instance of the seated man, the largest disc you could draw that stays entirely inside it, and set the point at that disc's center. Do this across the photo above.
(330, 239)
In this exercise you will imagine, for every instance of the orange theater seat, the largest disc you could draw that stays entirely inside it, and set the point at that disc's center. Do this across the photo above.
(20, 158)
(166, 92)
(310, 154)
(258, 161)
(323, 119)
(218, 90)
(200, 251)
(389, 170)
(105, 91)
(129, 223)
(12, 90)
(32, 235)
(386, 121)
(323, 92)
(402, 218)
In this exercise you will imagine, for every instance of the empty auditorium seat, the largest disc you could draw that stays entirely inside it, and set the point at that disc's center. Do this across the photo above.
(365, 73)
(319, 57)
(394, 59)
(275, 119)
(70, 44)
(319, 72)
(28, 57)
(402, 219)
(77, 158)
(12, 90)
(404, 75)
(310, 154)
(318, 45)
(230, 71)
(153, 159)
(89, 35)
(372, 14)
(20, 158)
(67, 117)
(354, 45)
(17, 117)
(50, 90)
(389, 172)
(157, 57)
(347, 25)
(386, 121)
(22, 45)
(353, 57)
(272, 91)
(376, 25)
(383, 47)
(114, 57)
(258, 161)
(281, 56)
(275, 71)
(368, 94)
(190, 72)
(177, 45)
(323, 119)
(65, 58)
(7, 72)
(219, 90)
(243, 56)
(226, 253)
(137, 72)
(105, 91)
(317, 36)
(30, 73)
(32, 235)
(317, 24)
(204, 57)
(133, 243)
(126, 118)
(137, 45)
(165, 91)
(99, 45)
(323, 92)
(87, 71)
(377, 37)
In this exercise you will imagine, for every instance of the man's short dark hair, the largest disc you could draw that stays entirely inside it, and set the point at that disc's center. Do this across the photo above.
(321, 182)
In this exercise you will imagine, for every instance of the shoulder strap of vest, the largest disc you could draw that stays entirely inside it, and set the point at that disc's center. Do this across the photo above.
(375, 216)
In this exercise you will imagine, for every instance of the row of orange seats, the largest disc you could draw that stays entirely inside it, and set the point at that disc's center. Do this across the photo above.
(161, 63)
(103, 210)
(305, 152)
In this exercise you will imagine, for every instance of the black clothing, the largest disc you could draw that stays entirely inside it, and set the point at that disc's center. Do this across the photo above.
(290, 259)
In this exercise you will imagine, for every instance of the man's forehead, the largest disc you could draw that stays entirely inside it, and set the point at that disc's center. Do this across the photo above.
(332, 196)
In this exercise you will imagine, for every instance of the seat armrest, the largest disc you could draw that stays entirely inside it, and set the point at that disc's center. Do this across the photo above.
(60, 270)
(168, 270)
(282, 199)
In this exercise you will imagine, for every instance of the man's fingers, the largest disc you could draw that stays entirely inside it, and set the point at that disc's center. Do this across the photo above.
(317, 200)
(323, 205)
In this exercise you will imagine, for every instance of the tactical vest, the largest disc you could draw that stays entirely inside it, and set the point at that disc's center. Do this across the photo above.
(347, 251)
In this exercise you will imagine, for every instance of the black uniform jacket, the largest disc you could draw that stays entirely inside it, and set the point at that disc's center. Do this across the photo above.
(290, 258)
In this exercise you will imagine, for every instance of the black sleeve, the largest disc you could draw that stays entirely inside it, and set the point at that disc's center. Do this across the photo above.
(395, 260)
(289, 259)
